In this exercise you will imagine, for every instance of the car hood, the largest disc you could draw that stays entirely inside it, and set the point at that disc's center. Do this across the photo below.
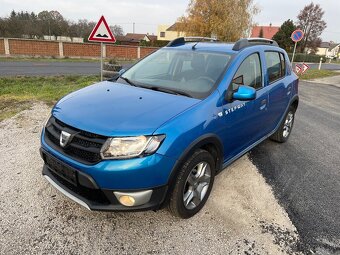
(114, 109)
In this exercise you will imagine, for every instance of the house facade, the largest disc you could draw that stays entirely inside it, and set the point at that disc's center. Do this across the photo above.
(169, 32)
(329, 50)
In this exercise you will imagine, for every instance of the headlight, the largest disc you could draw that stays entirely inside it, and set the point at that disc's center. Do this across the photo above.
(130, 147)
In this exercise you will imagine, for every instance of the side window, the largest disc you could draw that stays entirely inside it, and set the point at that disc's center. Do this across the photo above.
(283, 65)
(249, 73)
(276, 67)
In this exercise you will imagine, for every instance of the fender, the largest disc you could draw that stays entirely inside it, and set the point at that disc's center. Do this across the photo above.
(198, 143)
(293, 100)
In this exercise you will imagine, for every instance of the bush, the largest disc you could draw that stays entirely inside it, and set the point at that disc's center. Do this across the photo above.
(157, 43)
(113, 61)
(309, 58)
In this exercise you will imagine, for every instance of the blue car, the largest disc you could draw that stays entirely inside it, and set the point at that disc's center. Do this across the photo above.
(158, 133)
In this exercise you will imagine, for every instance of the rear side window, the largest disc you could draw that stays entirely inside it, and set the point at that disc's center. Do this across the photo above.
(249, 73)
(283, 64)
(276, 67)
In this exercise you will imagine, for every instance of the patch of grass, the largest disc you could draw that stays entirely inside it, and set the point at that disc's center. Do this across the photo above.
(17, 93)
(315, 74)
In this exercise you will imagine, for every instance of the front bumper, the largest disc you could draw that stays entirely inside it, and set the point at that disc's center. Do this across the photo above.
(83, 189)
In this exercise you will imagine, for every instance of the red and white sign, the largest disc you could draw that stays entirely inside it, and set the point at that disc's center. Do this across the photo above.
(297, 35)
(305, 67)
(301, 69)
(102, 32)
(298, 69)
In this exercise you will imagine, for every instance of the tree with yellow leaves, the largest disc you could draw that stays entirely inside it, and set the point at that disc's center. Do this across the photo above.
(228, 20)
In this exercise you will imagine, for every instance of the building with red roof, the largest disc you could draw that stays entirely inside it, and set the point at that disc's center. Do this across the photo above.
(267, 31)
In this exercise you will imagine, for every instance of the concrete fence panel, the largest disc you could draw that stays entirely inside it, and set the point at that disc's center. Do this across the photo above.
(40, 48)
(81, 50)
(144, 51)
(33, 47)
(117, 51)
(2, 46)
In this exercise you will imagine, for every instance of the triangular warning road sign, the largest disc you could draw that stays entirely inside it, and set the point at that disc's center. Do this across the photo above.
(102, 32)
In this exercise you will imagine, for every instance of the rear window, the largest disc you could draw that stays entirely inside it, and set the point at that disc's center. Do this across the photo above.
(276, 67)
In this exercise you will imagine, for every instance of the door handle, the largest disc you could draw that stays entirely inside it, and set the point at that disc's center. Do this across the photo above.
(263, 104)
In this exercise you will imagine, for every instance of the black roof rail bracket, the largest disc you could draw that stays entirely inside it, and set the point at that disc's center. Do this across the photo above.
(246, 42)
(183, 40)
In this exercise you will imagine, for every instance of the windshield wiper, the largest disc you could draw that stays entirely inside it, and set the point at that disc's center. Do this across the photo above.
(127, 81)
(170, 91)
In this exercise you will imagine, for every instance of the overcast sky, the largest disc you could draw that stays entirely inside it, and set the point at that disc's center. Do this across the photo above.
(147, 14)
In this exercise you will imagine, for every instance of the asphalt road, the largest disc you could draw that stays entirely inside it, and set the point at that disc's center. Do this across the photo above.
(305, 171)
(34, 68)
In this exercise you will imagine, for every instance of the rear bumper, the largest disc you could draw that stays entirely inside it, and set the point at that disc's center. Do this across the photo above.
(83, 189)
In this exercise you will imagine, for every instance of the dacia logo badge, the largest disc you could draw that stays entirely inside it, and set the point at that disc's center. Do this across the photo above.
(64, 138)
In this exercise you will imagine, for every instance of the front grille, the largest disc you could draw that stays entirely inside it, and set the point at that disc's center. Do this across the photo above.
(83, 146)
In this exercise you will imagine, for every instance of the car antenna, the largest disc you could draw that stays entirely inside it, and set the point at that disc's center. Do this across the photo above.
(194, 46)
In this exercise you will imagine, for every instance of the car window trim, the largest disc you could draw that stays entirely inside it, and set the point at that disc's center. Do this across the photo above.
(280, 78)
(262, 80)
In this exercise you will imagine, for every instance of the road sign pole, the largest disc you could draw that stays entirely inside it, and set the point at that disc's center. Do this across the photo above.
(294, 53)
(101, 61)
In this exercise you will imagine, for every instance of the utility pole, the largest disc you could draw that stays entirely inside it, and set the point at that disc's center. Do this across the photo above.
(133, 25)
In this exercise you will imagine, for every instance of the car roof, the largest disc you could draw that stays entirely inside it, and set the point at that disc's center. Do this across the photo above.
(207, 46)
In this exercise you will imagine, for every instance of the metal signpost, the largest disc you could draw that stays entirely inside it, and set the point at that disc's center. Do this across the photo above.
(296, 36)
(101, 33)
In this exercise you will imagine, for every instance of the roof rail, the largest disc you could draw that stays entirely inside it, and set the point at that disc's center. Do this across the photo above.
(183, 40)
(246, 42)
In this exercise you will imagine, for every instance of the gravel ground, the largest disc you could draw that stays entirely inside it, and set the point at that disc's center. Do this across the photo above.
(241, 216)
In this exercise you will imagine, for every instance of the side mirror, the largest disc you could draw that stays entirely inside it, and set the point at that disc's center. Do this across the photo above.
(244, 93)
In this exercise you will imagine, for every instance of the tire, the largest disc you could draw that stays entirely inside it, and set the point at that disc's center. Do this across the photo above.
(193, 185)
(285, 129)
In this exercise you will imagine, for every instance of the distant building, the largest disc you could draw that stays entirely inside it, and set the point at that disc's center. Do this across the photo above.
(268, 32)
(329, 50)
(135, 39)
(169, 32)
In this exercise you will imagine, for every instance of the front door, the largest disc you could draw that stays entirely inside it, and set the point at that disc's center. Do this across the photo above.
(245, 120)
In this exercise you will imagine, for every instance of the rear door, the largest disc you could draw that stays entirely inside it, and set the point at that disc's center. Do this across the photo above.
(278, 85)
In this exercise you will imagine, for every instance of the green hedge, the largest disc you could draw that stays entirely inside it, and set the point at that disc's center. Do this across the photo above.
(309, 58)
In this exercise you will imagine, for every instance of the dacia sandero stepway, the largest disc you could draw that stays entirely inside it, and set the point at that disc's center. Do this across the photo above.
(158, 133)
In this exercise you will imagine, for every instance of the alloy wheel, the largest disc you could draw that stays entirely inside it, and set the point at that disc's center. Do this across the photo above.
(196, 185)
(287, 127)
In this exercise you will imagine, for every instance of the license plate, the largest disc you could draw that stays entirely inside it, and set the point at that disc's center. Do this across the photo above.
(61, 169)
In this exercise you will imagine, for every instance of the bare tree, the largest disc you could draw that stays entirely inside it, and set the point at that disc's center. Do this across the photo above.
(311, 22)
(31, 25)
(227, 19)
(117, 30)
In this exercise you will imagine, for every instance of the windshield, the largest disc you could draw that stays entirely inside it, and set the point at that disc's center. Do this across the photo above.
(187, 72)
